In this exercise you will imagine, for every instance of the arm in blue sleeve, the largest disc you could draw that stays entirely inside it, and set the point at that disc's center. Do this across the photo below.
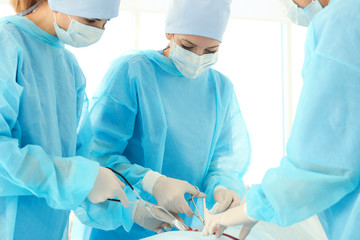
(108, 215)
(63, 182)
(232, 154)
(322, 164)
(85, 130)
(113, 116)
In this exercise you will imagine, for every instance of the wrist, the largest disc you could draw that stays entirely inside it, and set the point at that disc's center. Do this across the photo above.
(220, 187)
(149, 181)
(133, 208)
(245, 211)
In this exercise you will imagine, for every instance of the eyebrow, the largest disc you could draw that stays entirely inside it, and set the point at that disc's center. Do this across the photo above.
(218, 45)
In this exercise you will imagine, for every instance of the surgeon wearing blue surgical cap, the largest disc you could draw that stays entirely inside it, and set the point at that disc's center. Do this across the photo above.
(170, 122)
(321, 171)
(43, 129)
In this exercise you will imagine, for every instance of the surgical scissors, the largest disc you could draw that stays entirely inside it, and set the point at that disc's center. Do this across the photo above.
(176, 223)
(198, 215)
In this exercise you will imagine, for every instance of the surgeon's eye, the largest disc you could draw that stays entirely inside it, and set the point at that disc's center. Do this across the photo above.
(186, 47)
(210, 52)
(90, 21)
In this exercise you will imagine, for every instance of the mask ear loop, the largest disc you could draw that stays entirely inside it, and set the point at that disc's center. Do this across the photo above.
(30, 10)
(55, 18)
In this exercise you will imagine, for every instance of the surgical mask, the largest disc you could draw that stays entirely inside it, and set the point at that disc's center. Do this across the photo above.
(190, 64)
(301, 16)
(78, 34)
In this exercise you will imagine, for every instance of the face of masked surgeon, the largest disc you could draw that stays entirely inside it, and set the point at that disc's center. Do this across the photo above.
(196, 44)
(72, 30)
(64, 20)
(78, 31)
(305, 3)
(302, 12)
(193, 55)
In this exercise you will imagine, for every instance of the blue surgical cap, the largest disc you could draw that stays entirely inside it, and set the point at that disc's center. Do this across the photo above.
(206, 18)
(101, 9)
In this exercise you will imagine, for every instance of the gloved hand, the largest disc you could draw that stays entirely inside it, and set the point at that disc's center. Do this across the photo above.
(107, 185)
(169, 193)
(146, 220)
(233, 216)
(225, 199)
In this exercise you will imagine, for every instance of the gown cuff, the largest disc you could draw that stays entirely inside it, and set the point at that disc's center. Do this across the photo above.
(149, 181)
(220, 187)
(257, 205)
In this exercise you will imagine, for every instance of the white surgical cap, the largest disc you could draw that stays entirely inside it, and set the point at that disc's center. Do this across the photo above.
(206, 18)
(101, 9)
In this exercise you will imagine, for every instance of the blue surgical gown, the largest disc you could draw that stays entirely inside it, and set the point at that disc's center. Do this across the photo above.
(42, 94)
(321, 172)
(146, 115)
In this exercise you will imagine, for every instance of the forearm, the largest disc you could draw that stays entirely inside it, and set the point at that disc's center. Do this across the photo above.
(63, 182)
(137, 175)
(107, 215)
(288, 189)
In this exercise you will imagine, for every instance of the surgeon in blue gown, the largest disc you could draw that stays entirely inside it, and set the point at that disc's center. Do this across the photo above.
(164, 116)
(321, 172)
(42, 94)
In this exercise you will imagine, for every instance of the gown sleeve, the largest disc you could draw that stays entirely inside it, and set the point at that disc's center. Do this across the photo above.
(322, 164)
(85, 130)
(232, 153)
(113, 114)
(63, 182)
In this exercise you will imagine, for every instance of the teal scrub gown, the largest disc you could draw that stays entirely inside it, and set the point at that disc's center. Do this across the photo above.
(42, 94)
(147, 115)
(321, 172)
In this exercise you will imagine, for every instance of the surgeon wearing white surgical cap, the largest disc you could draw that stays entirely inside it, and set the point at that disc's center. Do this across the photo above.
(169, 122)
(43, 125)
(302, 12)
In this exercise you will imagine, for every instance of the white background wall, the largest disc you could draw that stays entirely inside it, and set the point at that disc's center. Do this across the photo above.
(261, 52)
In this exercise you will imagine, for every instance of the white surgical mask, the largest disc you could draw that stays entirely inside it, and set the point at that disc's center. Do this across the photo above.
(298, 15)
(190, 64)
(78, 34)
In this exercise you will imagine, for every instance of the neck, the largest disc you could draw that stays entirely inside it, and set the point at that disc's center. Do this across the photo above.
(324, 3)
(167, 52)
(43, 17)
